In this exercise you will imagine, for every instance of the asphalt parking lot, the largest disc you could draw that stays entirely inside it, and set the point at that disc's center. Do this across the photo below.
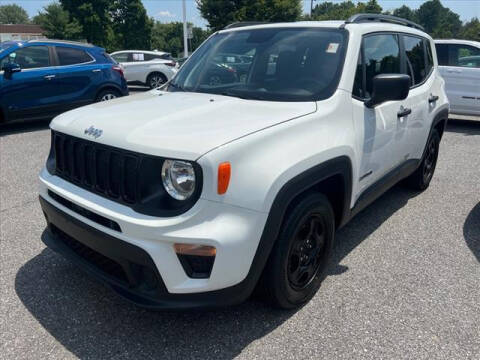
(404, 283)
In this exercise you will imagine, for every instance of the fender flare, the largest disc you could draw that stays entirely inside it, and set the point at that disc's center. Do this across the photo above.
(292, 189)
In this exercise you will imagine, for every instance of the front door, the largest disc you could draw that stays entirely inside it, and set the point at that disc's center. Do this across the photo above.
(380, 132)
(32, 92)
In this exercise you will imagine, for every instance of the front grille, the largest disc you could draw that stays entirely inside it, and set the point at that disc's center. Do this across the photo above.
(99, 219)
(95, 167)
(129, 178)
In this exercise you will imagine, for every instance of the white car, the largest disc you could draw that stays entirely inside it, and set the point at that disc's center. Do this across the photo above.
(459, 64)
(149, 68)
(242, 184)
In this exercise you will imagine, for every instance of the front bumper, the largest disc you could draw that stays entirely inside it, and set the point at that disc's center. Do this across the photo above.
(126, 268)
(139, 261)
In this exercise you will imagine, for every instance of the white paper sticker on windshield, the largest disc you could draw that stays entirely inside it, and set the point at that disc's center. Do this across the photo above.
(332, 48)
(138, 57)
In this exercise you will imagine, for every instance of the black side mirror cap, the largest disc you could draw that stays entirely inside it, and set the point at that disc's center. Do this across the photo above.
(10, 68)
(389, 87)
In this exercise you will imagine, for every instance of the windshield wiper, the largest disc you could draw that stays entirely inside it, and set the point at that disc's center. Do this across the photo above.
(242, 96)
(176, 86)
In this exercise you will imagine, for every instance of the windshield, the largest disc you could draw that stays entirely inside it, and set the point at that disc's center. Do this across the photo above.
(276, 64)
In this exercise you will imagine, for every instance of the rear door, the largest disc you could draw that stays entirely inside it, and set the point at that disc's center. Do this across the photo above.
(413, 128)
(33, 92)
(460, 67)
(135, 67)
(77, 75)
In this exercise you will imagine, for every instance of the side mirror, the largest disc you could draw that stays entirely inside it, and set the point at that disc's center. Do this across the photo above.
(388, 87)
(10, 68)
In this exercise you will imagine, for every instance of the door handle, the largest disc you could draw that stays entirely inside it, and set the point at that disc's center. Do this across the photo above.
(403, 112)
(96, 70)
(49, 77)
(432, 98)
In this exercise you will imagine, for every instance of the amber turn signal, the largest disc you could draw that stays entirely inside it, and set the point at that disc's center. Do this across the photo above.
(224, 171)
(196, 250)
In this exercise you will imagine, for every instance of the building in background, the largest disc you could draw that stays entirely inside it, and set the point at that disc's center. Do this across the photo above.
(20, 32)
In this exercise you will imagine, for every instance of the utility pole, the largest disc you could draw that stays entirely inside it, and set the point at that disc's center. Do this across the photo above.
(311, 7)
(185, 35)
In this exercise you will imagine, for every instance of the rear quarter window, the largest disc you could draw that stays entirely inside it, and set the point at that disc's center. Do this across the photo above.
(71, 56)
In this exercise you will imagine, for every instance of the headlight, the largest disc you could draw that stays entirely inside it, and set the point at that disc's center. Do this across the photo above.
(178, 178)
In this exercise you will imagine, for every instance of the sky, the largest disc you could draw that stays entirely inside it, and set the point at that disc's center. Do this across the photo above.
(171, 10)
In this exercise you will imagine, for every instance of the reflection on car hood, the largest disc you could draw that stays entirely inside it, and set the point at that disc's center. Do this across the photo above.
(181, 124)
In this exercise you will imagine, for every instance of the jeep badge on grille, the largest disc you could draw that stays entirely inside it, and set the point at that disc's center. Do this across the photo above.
(91, 131)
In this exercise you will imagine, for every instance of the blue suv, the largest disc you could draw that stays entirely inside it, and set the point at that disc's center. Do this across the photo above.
(43, 78)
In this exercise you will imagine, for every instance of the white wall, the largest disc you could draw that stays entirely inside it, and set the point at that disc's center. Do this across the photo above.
(10, 36)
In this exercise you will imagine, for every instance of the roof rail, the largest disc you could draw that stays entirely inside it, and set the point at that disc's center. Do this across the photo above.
(359, 18)
(243, 23)
(66, 42)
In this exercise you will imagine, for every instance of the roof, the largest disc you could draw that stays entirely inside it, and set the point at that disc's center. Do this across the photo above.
(20, 28)
(141, 51)
(457, 41)
(362, 27)
(65, 42)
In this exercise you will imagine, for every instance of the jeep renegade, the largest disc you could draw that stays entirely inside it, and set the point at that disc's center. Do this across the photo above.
(195, 194)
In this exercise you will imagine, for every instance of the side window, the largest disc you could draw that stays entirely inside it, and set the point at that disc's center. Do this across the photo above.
(358, 82)
(442, 54)
(464, 56)
(138, 57)
(382, 56)
(122, 57)
(148, 57)
(416, 61)
(29, 57)
(71, 56)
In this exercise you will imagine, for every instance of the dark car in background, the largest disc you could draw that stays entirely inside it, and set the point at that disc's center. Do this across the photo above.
(42, 78)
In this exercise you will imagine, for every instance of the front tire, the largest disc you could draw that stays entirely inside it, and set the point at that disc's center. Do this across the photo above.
(301, 254)
(420, 179)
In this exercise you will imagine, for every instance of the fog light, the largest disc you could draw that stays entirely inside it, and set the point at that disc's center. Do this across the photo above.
(197, 260)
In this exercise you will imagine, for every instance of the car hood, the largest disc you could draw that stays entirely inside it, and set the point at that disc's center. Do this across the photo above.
(180, 125)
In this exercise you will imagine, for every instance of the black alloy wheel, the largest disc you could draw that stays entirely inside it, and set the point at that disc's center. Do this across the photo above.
(306, 252)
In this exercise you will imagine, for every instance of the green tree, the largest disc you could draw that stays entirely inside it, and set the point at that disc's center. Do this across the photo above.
(169, 37)
(132, 26)
(13, 14)
(406, 13)
(438, 21)
(56, 23)
(342, 11)
(220, 13)
(94, 17)
(471, 30)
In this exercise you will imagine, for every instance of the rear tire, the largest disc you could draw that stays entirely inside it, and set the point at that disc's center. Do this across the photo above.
(155, 80)
(420, 179)
(107, 94)
(301, 254)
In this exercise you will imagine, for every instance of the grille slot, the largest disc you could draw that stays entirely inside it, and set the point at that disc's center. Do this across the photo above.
(101, 169)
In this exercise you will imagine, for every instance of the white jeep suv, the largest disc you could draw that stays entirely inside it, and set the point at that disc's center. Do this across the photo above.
(241, 184)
